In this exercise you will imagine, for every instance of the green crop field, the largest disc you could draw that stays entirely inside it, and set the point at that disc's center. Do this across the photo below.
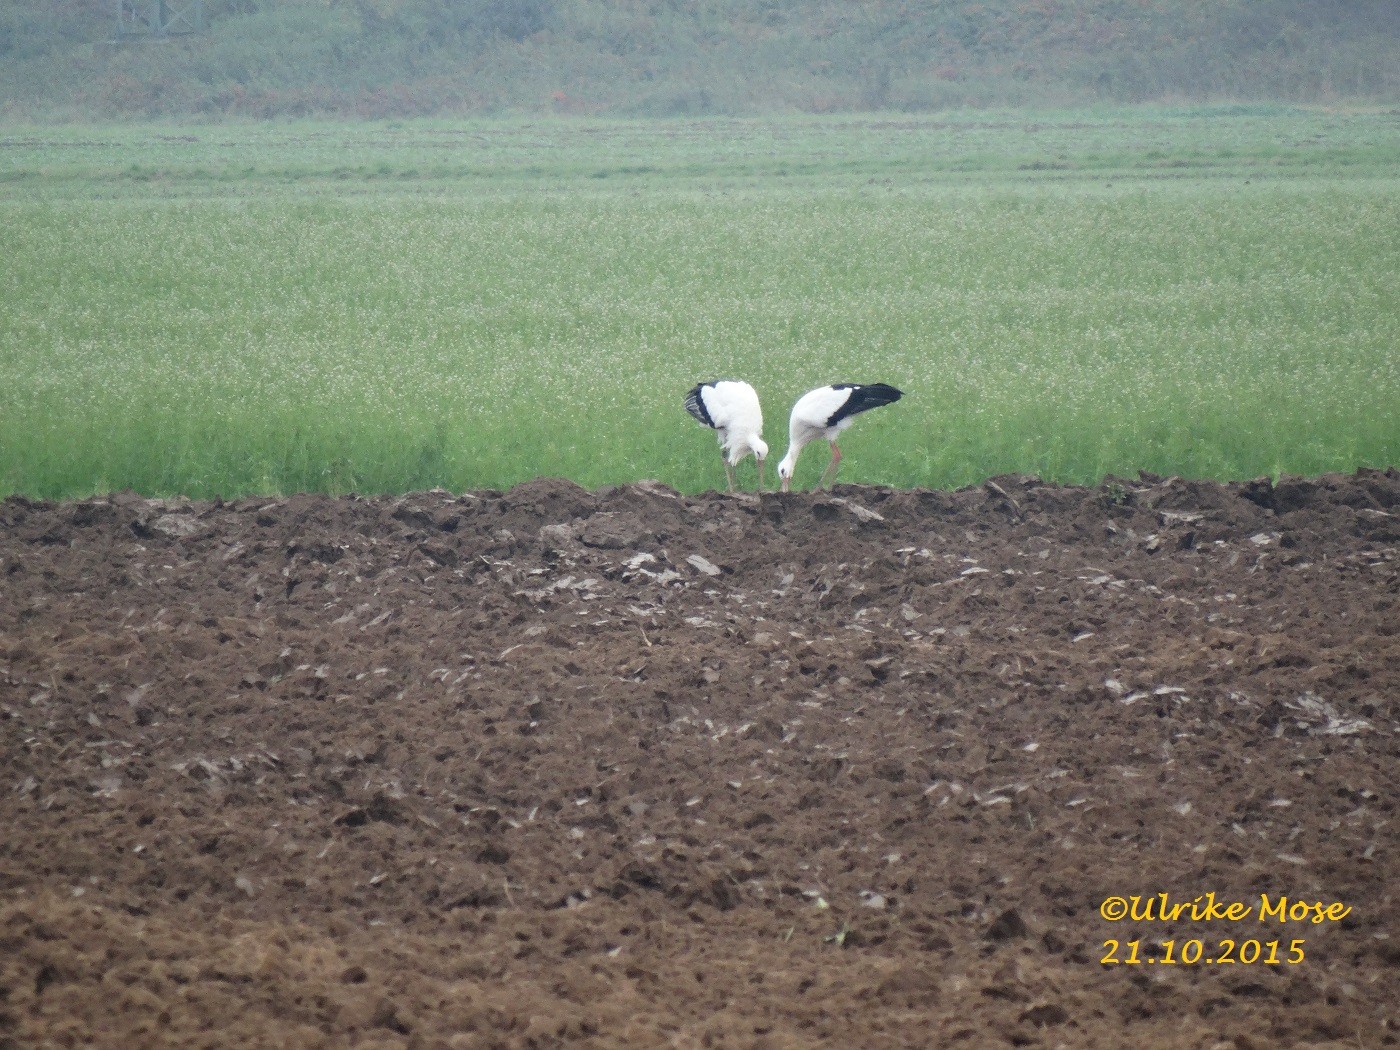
(224, 309)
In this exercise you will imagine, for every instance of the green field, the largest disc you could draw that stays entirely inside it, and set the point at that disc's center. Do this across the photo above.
(223, 309)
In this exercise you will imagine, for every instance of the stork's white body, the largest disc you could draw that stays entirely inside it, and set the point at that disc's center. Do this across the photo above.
(730, 406)
(824, 413)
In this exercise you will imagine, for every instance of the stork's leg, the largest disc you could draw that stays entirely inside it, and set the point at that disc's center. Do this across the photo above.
(760, 474)
(829, 475)
(729, 473)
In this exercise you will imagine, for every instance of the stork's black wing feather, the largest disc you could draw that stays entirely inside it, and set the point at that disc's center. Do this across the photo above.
(863, 398)
(695, 404)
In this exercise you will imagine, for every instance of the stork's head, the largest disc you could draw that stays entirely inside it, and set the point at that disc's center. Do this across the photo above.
(760, 447)
(785, 470)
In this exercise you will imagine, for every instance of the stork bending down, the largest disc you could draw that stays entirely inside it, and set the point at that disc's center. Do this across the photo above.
(825, 412)
(730, 407)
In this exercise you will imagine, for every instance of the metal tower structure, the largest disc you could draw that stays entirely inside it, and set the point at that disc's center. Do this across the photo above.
(158, 18)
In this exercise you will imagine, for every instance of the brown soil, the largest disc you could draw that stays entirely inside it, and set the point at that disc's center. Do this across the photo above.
(628, 768)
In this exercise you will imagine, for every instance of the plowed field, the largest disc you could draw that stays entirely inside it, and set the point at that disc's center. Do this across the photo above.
(630, 768)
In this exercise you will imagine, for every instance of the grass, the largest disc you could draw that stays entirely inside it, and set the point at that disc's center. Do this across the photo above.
(270, 308)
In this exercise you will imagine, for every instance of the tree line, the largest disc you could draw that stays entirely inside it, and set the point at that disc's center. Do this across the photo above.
(380, 58)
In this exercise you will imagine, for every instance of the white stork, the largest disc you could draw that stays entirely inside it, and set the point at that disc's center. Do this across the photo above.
(825, 412)
(730, 407)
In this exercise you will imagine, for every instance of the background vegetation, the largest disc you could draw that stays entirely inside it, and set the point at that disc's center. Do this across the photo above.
(387, 58)
(389, 306)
